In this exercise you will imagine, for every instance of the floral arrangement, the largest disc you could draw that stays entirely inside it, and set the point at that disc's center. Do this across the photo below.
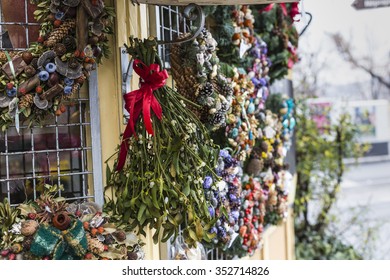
(196, 70)
(40, 81)
(51, 228)
(226, 193)
(163, 159)
(274, 23)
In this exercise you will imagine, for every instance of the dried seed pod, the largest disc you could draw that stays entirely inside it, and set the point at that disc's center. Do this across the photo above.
(60, 49)
(30, 71)
(29, 227)
(27, 57)
(120, 235)
(69, 42)
(34, 63)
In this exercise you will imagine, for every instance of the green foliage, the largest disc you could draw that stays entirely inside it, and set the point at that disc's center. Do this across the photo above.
(320, 169)
(324, 247)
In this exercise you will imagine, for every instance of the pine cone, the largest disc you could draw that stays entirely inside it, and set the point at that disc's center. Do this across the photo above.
(26, 101)
(69, 42)
(94, 245)
(60, 49)
(73, 63)
(59, 33)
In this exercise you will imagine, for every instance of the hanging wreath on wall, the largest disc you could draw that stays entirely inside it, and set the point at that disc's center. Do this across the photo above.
(40, 81)
(51, 228)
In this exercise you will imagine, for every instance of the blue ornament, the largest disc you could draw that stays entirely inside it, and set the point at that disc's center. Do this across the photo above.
(234, 132)
(67, 90)
(11, 92)
(43, 76)
(212, 211)
(251, 108)
(285, 123)
(59, 15)
(68, 82)
(292, 123)
(208, 181)
(223, 153)
(51, 67)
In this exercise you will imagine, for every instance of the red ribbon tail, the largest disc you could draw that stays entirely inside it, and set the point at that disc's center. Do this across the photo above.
(284, 8)
(124, 148)
(146, 110)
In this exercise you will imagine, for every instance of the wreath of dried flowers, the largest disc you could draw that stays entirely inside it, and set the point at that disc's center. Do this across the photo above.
(41, 80)
(50, 228)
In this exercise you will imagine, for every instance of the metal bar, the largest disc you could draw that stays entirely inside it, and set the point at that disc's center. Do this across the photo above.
(66, 199)
(26, 21)
(59, 125)
(45, 151)
(46, 176)
(96, 140)
(58, 156)
(33, 163)
(7, 166)
(82, 144)
(19, 23)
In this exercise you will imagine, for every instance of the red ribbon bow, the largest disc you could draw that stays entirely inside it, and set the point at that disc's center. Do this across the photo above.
(293, 12)
(142, 100)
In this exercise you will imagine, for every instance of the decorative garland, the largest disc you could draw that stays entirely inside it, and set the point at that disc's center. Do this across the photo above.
(50, 228)
(226, 193)
(274, 24)
(40, 81)
(196, 70)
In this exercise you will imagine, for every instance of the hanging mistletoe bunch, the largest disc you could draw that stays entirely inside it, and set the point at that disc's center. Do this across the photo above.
(50, 228)
(169, 153)
(196, 70)
(38, 82)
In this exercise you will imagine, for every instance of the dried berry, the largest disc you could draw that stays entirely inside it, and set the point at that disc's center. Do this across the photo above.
(27, 57)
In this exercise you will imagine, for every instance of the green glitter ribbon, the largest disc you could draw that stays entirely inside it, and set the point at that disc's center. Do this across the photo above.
(69, 244)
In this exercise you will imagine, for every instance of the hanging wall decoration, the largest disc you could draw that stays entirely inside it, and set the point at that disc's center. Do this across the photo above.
(51, 228)
(164, 157)
(274, 23)
(226, 193)
(196, 71)
(40, 81)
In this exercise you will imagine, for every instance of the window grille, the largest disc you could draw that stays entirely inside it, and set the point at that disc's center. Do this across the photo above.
(60, 151)
(18, 27)
(170, 24)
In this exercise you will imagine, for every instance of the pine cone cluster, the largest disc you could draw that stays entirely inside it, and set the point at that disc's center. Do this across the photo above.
(185, 78)
(3, 57)
(26, 101)
(59, 33)
(94, 245)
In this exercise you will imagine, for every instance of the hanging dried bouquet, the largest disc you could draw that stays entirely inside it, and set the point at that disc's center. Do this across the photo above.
(160, 182)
